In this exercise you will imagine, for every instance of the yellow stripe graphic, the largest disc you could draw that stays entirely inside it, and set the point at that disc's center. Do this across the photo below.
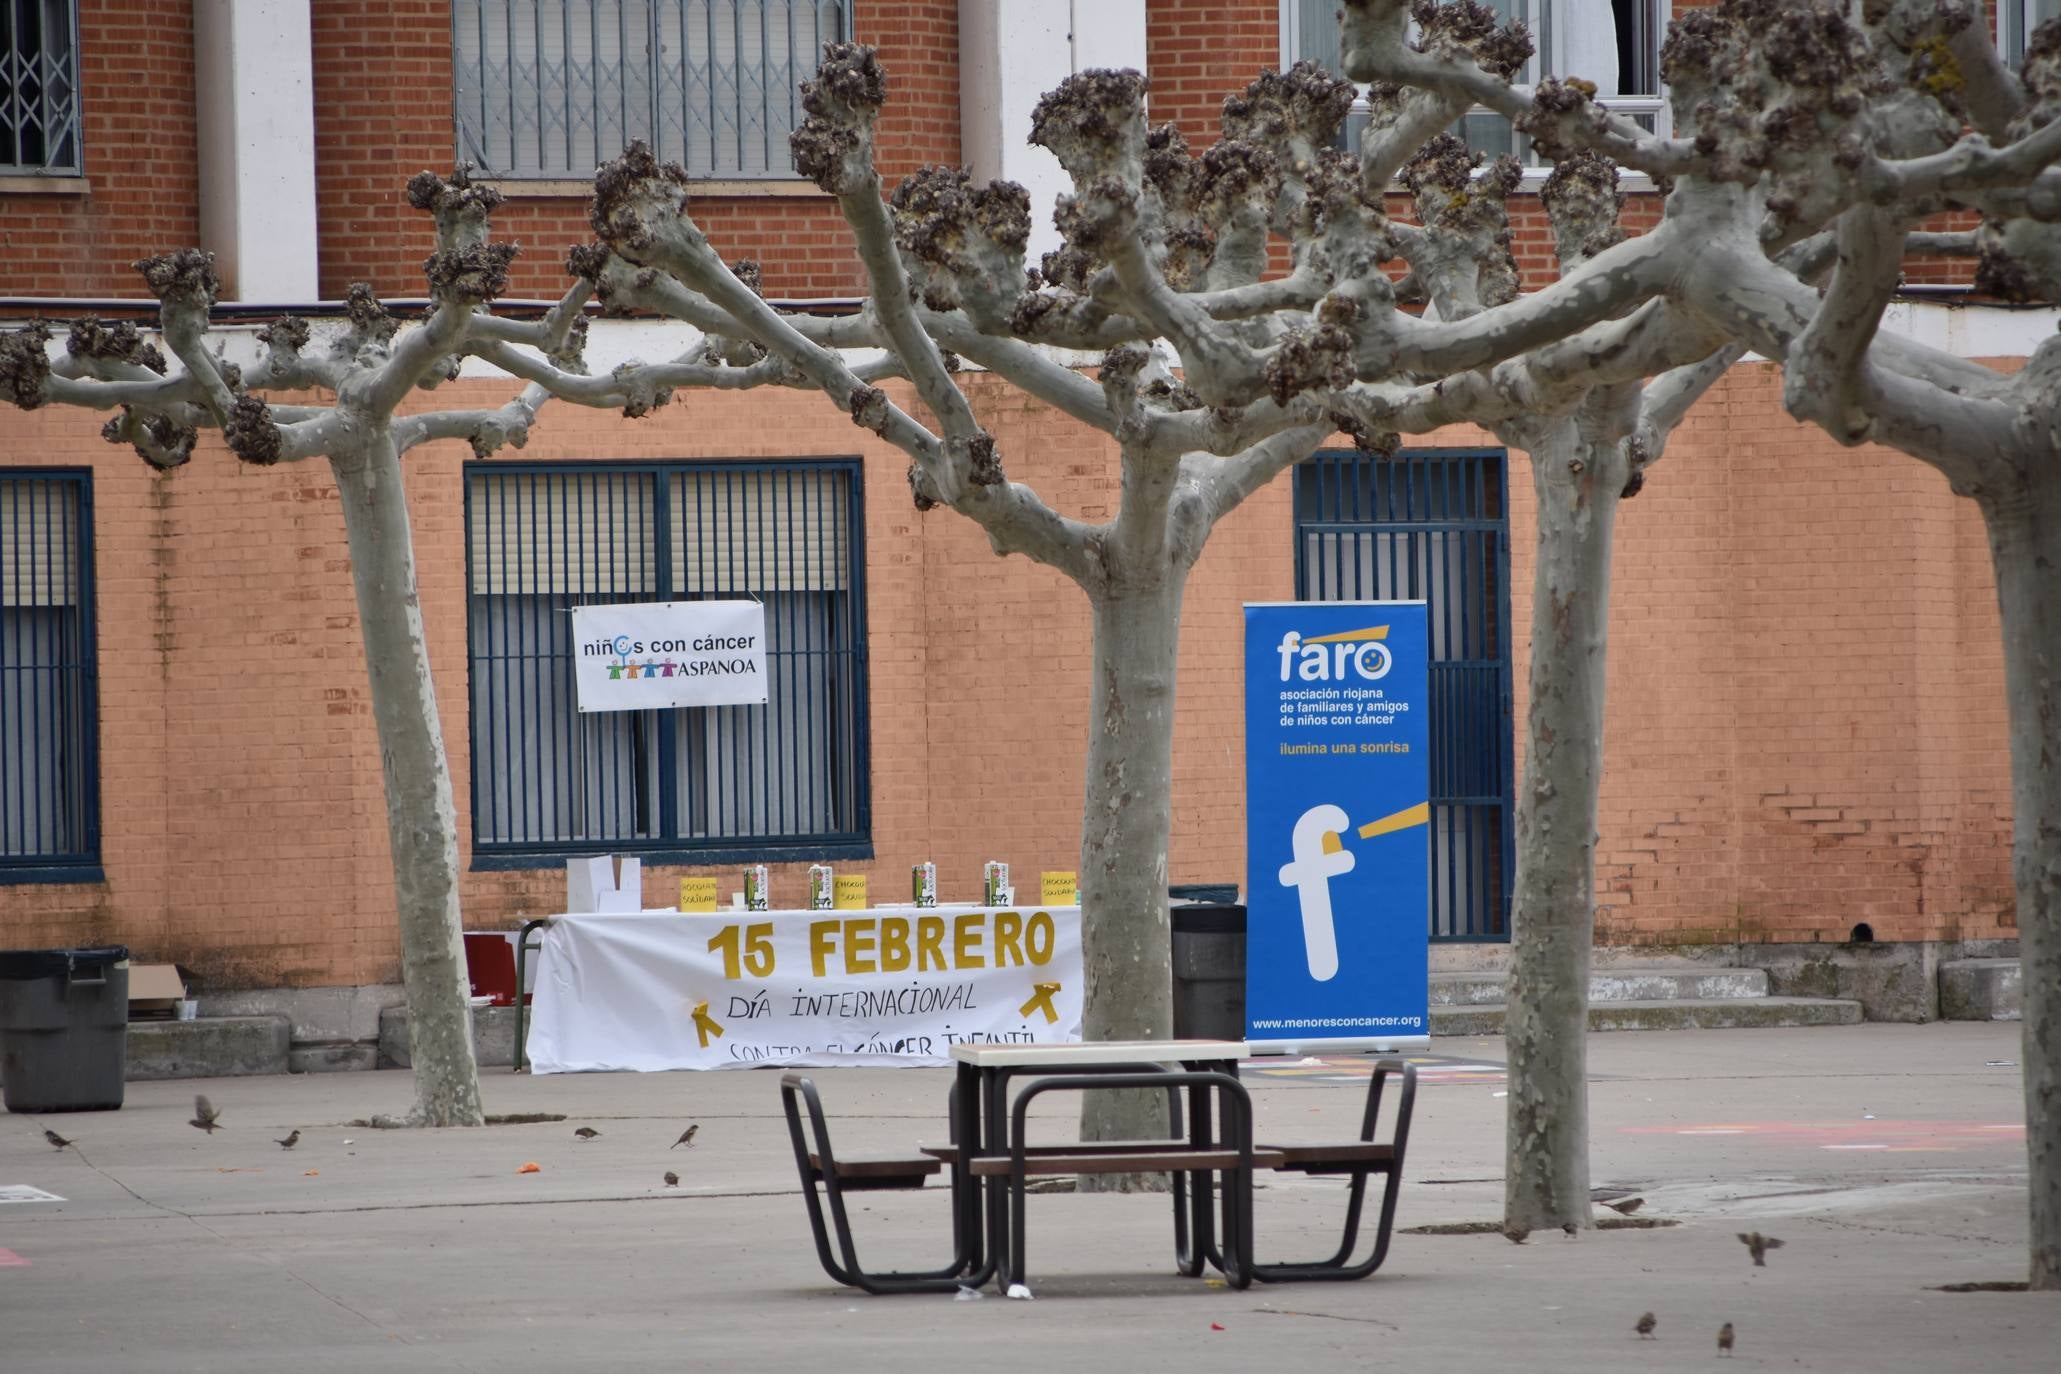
(1343, 636)
(1420, 814)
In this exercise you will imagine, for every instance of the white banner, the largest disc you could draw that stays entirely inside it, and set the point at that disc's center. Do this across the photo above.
(657, 654)
(889, 986)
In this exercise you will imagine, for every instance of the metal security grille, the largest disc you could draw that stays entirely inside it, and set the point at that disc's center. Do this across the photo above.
(785, 780)
(1434, 526)
(554, 88)
(49, 771)
(39, 88)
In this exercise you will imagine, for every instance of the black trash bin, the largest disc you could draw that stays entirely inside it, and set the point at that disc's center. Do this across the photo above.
(1209, 969)
(64, 1029)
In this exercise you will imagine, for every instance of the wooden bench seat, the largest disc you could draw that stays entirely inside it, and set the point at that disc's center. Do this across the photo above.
(823, 1193)
(859, 1172)
(949, 1154)
(1335, 1156)
(1357, 1161)
(1100, 1161)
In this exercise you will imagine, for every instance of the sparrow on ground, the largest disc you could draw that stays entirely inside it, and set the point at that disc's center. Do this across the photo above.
(293, 1138)
(1759, 1245)
(1725, 1339)
(204, 1114)
(672, 1179)
(1516, 1235)
(1627, 1207)
(57, 1141)
(586, 1133)
(686, 1137)
(1644, 1326)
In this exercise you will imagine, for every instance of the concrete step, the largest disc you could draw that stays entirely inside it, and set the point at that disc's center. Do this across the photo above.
(212, 1047)
(1678, 1013)
(1612, 985)
(493, 1037)
(1981, 990)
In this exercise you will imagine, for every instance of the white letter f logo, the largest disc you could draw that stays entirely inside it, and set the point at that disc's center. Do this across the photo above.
(1319, 858)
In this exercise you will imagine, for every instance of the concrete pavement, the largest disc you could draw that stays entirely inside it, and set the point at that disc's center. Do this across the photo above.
(1889, 1158)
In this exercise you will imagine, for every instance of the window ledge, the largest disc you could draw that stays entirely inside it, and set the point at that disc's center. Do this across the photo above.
(54, 874)
(53, 185)
(742, 851)
(518, 188)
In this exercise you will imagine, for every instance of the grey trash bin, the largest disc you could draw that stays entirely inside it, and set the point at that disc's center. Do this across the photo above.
(64, 1029)
(1209, 970)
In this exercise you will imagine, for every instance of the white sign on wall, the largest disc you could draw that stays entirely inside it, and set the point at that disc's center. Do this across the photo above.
(659, 654)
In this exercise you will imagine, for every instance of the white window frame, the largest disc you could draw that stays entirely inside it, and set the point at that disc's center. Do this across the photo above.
(2016, 19)
(1547, 36)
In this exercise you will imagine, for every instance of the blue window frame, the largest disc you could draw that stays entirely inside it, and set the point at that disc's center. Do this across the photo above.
(787, 780)
(1434, 524)
(49, 714)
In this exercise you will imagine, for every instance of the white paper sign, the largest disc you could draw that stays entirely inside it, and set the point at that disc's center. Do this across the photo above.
(591, 884)
(658, 654)
(887, 986)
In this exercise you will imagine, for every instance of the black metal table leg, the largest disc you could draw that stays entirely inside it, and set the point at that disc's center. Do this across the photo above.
(966, 1189)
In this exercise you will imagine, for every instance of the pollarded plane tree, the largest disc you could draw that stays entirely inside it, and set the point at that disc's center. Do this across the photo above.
(1818, 140)
(1210, 376)
(367, 366)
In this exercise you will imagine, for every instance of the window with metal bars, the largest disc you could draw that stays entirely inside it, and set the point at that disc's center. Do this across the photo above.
(49, 723)
(554, 88)
(786, 780)
(1434, 526)
(39, 88)
(1614, 43)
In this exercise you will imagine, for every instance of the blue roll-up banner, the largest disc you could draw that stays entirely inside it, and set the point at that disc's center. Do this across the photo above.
(1338, 808)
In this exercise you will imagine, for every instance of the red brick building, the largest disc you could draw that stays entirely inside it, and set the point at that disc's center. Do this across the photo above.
(1806, 719)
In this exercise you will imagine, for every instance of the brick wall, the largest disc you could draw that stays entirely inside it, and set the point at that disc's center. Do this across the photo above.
(372, 135)
(382, 74)
(143, 197)
(1805, 720)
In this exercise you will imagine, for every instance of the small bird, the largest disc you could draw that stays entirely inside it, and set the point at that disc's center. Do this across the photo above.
(204, 1114)
(1516, 1235)
(686, 1137)
(1725, 1339)
(1759, 1245)
(292, 1139)
(672, 1179)
(586, 1133)
(1627, 1207)
(1644, 1326)
(57, 1141)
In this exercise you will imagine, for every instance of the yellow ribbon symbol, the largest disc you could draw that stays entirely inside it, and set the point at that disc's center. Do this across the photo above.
(704, 1024)
(1041, 1000)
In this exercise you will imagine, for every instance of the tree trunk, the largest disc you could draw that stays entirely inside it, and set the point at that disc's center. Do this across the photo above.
(421, 821)
(2025, 546)
(1546, 1182)
(1127, 818)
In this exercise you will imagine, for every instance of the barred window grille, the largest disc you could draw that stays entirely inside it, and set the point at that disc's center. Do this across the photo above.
(1434, 526)
(49, 723)
(554, 88)
(786, 779)
(39, 88)
(1615, 43)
